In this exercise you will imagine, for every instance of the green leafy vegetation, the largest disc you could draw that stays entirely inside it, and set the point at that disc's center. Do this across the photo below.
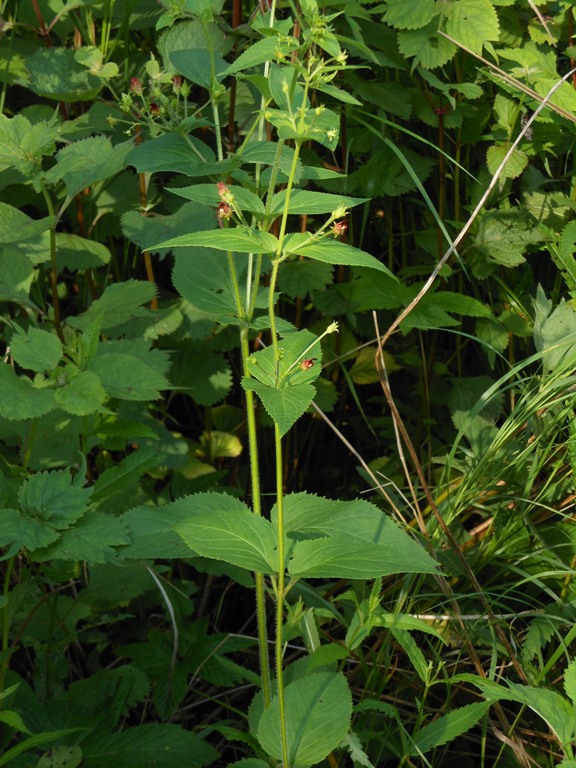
(287, 415)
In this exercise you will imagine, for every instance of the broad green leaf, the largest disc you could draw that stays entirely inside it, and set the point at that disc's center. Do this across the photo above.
(570, 681)
(16, 275)
(199, 66)
(202, 277)
(23, 144)
(35, 741)
(237, 536)
(318, 712)
(473, 23)
(554, 332)
(125, 473)
(304, 202)
(430, 49)
(292, 349)
(333, 252)
(557, 711)
(36, 349)
(238, 239)
(264, 50)
(128, 377)
(54, 497)
(320, 124)
(505, 235)
(207, 194)
(82, 395)
(172, 152)
(76, 253)
(119, 302)
(409, 14)
(266, 152)
(17, 227)
(411, 649)
(86, 162)
(55, 74)
(346, 557)
(145, 231)
(24, 531)
(147, 746)
(202, 374)
(152, 530)
(299, 278)
(20, 398)
(565, 256)
(515, 165)
(92, 539)
(447, 727)
(285, 406)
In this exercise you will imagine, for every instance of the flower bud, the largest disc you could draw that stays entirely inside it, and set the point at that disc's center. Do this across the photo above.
(176, 84)
(154, 109)
(135, 86)
(305, 365)
(339, 228)
(224, 211)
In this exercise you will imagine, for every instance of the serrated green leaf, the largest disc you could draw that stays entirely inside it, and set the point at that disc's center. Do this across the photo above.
(344, 557)
(199, 66)
(515, 165)
(119, 303)
(409, 14)
(152, 531)
(321, 125)
(23, 144)
(54, 497)
(207, 194)
(36, 349)
(128, 377)
(20, 398)
(238, 239)
(333, 252)
(24, 531)
(318, 710)
(237, 536)
(148, 746)
(570, 681)
(202, 374)
(86, 162)
(284, 406)
(16, 227)
(16, 275)
(93, 539)
(202, 277)
(82, 395)
(55, 74)
(303, 201)
(267, 49)
(124, 474)
(266, 152)
(473, 23)
(429, 48)
(447, 727)
(299, 278)
(76, 253)
(174, 152)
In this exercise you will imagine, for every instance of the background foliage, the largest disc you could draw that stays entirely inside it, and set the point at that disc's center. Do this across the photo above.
(128, 628)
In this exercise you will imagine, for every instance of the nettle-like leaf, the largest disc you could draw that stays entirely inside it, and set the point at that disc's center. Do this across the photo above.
(82, 395)
(23, 144)
(321, 125)
(202, 277)
(447, 727)
(267, 49)
(77, 253)
(303, 201)
(199, 66)
(429, 48)
(284, 406)
(207, 194)
(93, 539)
(554, 330)
(146, 231)
(238, 239)
(55, 497)
(409, 14)
(564, 256)
(56, 74)
(318, 710)
(332, 252)
(86, 162)
(299, 278)
(21, 399)
(219, 530)
(152, 530)
(119, 303)
(504, 236)
(36, 349)
(348, 538)
(121, 476)
(570, 681)
(16, 276)
(515, 165)
(17, 227)
(129, 376)
(473, 23)
(201, 373)
(181, 154)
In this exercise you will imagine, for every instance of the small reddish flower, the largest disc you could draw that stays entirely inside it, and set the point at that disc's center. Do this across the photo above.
(339, 228)
(223, 190)
(135, 85)
(305, 365)
(224, 211)
(176, 83)
(154, 109)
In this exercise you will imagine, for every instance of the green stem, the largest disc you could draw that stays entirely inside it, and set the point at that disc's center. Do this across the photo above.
(280, 595)
(6, 621)
(53, 267)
